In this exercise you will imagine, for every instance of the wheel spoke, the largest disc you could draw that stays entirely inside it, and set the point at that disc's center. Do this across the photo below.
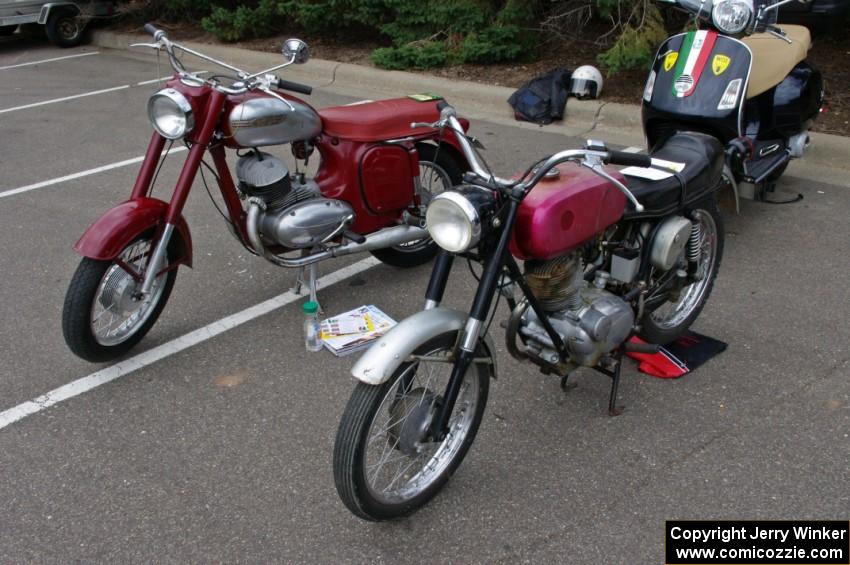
(391, 474)
(116, 312)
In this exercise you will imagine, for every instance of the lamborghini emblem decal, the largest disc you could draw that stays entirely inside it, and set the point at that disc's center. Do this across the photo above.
(670, 60)
(719, 64)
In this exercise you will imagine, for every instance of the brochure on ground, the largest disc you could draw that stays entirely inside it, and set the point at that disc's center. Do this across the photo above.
(354, 330)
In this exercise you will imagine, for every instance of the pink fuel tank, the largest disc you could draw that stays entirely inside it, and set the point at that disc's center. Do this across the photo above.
(562, 213)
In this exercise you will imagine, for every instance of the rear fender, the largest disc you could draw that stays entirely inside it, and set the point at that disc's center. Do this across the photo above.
(111, 233)
(381, 360)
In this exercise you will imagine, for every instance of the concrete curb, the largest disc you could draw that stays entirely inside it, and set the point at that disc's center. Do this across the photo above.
(609, 121)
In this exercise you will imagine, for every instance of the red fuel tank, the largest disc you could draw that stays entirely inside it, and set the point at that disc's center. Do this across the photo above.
(560, 214)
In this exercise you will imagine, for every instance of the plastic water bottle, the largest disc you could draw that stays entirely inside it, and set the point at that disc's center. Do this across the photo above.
(312, 330)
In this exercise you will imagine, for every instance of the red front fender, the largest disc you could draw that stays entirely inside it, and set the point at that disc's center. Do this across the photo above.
(113, 231)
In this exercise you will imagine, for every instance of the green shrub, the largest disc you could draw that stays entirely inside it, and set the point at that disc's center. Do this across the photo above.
(244, 22)
(428, 55)
(495, 44)
(179, 9)
(636, 45)
(433, 33)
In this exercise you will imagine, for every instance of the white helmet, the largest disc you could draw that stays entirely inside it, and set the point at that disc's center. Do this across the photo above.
(586, 82)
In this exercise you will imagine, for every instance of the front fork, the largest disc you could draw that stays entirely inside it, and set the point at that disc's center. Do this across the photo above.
(181, 189)
(480, 307)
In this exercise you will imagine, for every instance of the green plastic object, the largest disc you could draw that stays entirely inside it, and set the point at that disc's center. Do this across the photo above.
(311, 307)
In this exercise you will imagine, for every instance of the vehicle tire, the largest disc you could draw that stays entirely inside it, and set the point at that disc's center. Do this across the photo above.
(7, 30)
(101, 289)
(372, 429)
(438, 171)
(672, 319)
(64, 28)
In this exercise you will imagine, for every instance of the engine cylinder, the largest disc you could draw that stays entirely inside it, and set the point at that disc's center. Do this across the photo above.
(264, 176)
(555, 283)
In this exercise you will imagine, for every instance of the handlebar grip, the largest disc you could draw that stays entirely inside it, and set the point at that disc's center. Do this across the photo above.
(629, 159)
(151, 29)
(294, 86)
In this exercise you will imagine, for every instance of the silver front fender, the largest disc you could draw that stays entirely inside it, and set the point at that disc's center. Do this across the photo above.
(382, 359)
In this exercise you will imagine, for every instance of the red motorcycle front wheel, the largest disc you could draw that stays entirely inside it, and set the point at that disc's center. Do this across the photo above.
(103, 317)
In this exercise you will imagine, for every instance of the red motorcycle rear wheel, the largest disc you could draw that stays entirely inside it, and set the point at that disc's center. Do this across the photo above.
(438, 171)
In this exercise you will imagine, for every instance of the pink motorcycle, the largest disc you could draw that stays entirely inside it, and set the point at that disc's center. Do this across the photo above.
(604, 259)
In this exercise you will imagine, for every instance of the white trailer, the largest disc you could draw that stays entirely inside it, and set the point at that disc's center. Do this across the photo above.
(64, 22)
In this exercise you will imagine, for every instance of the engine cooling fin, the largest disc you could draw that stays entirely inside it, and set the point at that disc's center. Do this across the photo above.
(555, 283)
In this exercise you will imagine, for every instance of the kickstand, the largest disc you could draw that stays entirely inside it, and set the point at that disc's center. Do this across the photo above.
(310, 271)
(567, 386)
(617, 361)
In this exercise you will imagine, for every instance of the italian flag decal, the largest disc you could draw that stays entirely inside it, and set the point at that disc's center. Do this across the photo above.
(692, 61)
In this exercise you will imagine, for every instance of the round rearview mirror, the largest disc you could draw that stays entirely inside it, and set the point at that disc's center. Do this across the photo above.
(296, 50)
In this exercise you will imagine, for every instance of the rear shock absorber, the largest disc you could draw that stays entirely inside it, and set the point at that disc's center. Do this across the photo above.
(694, 249)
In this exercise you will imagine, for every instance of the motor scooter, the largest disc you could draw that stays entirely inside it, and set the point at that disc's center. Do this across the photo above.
(742, 79)
(375, 178)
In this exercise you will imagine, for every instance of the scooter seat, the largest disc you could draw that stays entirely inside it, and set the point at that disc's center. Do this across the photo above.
(703, 158)
(377, 121)
(774, 57)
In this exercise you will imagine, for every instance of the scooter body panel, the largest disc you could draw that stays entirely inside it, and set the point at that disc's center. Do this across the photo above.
(693, 72)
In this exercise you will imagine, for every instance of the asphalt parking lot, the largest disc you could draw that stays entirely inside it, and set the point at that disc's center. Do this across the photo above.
(221, 452)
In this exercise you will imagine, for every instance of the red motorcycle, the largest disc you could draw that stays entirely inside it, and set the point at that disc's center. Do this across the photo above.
(606, 254)
(375, 179)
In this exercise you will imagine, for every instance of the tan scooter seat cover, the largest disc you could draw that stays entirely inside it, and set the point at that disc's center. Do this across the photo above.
(773, 58)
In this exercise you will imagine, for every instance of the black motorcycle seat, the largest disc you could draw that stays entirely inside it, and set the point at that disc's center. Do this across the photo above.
(703, 158)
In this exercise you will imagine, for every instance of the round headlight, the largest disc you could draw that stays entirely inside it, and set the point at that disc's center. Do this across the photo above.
(453, 222)
(732, 16)
(170, 113)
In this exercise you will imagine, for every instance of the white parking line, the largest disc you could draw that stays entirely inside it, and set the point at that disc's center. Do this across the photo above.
(84, 94)
(186, 341)
(73, 176)
(55, 100)
(48, 60)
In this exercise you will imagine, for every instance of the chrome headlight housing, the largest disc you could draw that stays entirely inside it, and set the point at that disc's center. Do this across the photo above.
(170, 114)
(732, 16)
(454, 220)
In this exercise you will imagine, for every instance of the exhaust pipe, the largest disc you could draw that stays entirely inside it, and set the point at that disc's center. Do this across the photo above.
(387, 237)
(798, 144)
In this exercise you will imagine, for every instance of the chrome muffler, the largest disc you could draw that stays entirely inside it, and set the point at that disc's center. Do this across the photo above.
(798, 144)
(387, 237)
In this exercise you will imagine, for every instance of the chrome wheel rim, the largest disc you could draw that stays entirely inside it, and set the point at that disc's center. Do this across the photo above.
(116, 313)
(672, 314)
(433, 179)
(393, 476)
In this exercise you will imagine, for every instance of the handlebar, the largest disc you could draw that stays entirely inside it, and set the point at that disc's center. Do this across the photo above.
(628, 159)
(590, 158)
(246, 81)
(294, 86)
(152, 29)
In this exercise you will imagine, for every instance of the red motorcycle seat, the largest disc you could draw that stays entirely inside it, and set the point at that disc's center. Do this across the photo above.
(380, 120)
